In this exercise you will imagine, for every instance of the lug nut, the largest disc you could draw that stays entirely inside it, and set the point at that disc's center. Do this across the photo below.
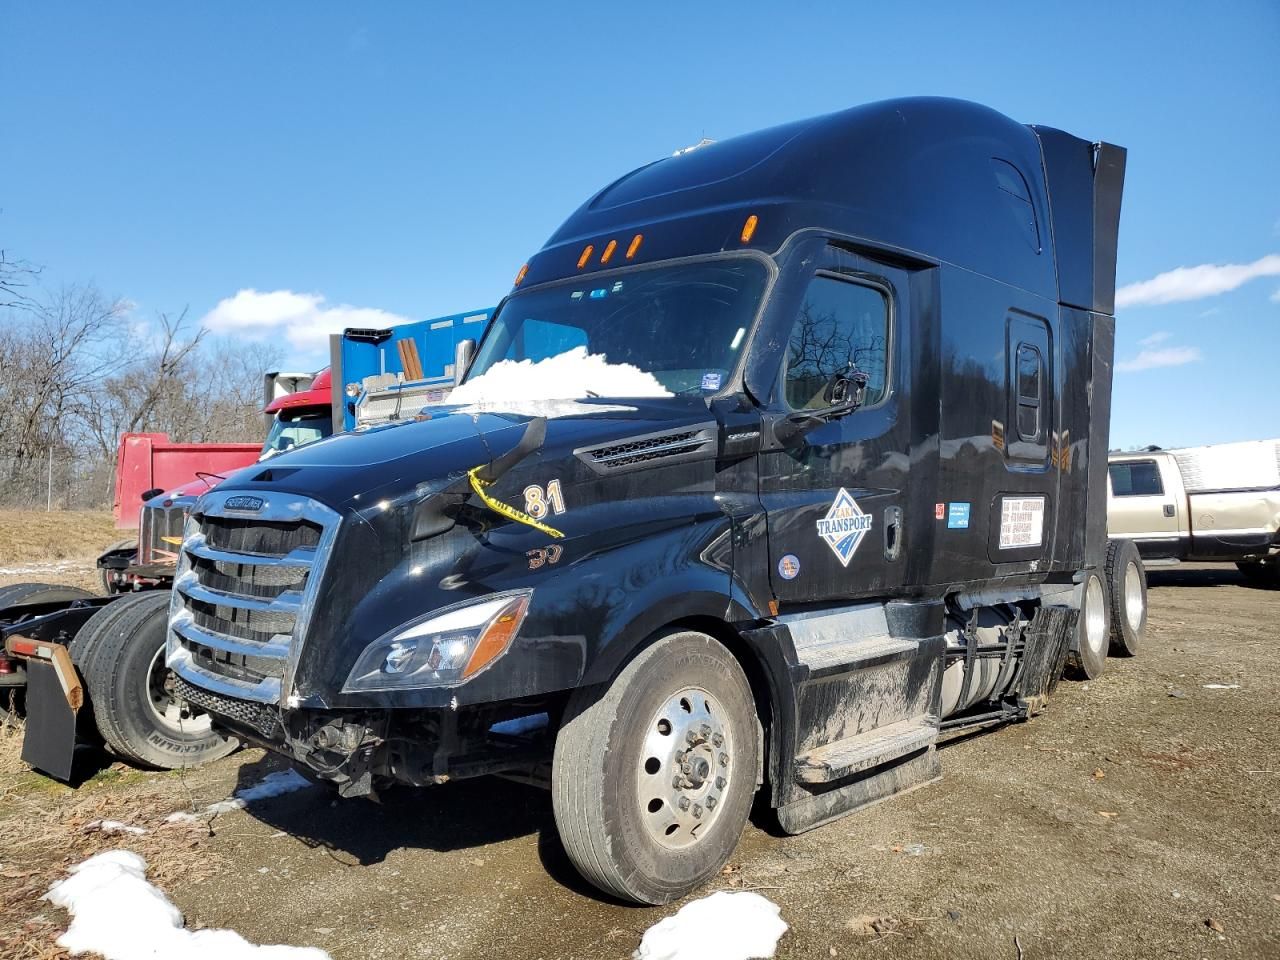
(720, 782)
(697, 810)
(724, 759)
(675, 782)
(691, 737)
(684, 803)
(717, 740)
(705, 730)
(711, 803)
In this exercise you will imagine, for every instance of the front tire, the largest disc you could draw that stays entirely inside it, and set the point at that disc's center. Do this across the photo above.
(1088, 657)
(120, 652)
(1127, 592)
(653, 779)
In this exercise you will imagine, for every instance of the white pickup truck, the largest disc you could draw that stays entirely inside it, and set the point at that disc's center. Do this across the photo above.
(1212, 503)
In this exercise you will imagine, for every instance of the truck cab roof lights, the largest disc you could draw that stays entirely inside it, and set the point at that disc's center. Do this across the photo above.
(586, 255)
(749, 228)
(521, 274)
(611, 246)
(634, 246)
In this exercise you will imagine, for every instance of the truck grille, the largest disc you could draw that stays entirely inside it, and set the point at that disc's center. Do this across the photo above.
(160, 531)
(243, 591)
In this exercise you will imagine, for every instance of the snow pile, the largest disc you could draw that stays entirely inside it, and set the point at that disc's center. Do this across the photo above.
(723, 926)
(115, 826)
(272, 785)
(115, 912)
(571, 375)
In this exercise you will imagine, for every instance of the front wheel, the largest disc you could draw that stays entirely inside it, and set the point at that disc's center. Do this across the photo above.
(652, 780)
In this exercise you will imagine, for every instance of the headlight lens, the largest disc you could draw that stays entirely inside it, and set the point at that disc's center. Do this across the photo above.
(443, 649)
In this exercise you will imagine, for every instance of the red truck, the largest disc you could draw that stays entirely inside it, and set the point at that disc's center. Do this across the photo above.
(90, 669)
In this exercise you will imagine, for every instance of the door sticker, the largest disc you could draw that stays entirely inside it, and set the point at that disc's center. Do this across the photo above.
(958, 516)
(844, 526)
(1021, 522)
(789, 567)
(711, 381)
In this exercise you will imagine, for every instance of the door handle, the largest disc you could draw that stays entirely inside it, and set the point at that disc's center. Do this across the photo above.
(892, 533)
(1168, 510)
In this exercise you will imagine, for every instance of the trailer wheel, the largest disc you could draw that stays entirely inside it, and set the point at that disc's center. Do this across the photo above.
(652, 780)
(13, 699)
(1088, 657)
(120, 652)
(1127, 591)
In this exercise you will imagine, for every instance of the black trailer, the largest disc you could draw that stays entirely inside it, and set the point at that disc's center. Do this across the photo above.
(863, 507)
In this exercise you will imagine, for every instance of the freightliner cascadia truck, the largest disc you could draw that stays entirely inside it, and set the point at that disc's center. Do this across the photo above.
(784, 457)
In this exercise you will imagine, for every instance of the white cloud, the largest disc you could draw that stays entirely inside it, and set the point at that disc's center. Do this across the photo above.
(1194, 283)
(1150, 359)
(1158, 337)
(1275, 297)
(305, 320)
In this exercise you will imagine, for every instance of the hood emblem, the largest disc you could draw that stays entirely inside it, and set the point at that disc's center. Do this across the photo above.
(243, 503)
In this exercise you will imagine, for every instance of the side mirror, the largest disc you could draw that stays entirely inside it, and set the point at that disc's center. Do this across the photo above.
(463, 354)
(844, 393)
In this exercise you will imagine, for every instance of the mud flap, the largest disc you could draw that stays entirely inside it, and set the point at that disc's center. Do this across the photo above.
(50, 740)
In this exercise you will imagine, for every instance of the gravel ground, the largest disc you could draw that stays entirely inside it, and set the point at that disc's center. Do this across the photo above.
(1137, 817)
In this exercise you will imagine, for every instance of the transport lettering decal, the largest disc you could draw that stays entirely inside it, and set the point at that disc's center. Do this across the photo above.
(844, 526)
(711, 381)
(958, 516)
(537, 501)
(1021, 522)
(789, 567)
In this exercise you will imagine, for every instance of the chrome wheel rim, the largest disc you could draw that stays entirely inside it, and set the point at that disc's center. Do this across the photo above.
(178, 719)
(685, 769)
(1095, 622)
(1134, 605)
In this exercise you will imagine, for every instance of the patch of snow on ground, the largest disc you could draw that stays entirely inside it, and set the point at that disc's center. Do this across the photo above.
(272, 785)
(723, 926)
(572, 375)
(115, 826)
(115, 912)
(52, 566)
(513, 728)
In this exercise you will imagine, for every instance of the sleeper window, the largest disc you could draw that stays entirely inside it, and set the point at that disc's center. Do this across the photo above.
(1030, 378)
(842, 326)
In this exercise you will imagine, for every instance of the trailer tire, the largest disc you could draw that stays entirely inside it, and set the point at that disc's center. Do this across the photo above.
(128, 688)
(15, 697)
(1127, 593)
(1087, 659)
(677, 725)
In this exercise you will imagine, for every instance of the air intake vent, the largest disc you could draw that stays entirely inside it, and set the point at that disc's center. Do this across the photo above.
(692, 443)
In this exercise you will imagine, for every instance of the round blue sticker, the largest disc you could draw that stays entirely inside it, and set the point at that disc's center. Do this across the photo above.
(789, 567)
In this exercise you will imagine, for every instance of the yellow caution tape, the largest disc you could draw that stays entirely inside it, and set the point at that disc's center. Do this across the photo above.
(508, 511)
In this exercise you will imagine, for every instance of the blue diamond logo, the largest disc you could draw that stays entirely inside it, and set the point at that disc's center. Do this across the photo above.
(844, 526)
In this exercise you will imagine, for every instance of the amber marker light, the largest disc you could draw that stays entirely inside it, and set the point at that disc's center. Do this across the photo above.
(520, 275)
(497, 636)
(749, 228)
(586, 255)
(608, 251)
(635, 245)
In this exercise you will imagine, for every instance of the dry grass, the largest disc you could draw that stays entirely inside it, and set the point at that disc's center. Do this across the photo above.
(32, 536)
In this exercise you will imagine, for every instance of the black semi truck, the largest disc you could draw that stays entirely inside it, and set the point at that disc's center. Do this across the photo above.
(843, 491)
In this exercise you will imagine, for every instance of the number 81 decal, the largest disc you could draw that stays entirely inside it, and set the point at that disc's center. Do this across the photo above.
(538, 502)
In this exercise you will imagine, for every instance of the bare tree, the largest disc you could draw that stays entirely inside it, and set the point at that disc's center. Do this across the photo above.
(16, 276)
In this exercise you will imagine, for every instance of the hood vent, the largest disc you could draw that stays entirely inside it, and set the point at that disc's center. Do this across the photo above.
(697, 442)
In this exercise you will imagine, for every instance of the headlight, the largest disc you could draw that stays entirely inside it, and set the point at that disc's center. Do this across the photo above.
(443, 649)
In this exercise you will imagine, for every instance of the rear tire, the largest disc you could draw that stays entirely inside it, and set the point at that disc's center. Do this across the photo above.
(1127, 593)
(653, 779)
(1088, 657)
(1261, 573)
(120, 652)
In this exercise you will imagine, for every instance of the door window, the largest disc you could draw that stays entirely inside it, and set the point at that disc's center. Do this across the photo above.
(842, 326)
(1030, 369)
(1137, 478)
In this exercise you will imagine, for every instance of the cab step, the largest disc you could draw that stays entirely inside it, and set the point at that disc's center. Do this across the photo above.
(843, 758)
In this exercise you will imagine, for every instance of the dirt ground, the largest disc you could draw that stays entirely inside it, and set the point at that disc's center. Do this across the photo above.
(1137, 817)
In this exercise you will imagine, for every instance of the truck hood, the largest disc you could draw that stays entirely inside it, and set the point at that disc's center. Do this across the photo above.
(348, 471)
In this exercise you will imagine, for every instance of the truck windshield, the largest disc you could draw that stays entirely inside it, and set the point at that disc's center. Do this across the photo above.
(683, 323)
(295, 429)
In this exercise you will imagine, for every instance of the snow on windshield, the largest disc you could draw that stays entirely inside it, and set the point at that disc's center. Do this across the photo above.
(572, 375)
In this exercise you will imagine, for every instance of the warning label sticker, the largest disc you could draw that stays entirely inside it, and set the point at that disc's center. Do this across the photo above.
(1021, 522)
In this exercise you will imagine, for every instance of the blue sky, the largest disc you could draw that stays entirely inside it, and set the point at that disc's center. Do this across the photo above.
(366, 162)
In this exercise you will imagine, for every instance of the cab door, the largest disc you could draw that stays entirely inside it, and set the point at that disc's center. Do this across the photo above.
(1142, 509)
(835, 499)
